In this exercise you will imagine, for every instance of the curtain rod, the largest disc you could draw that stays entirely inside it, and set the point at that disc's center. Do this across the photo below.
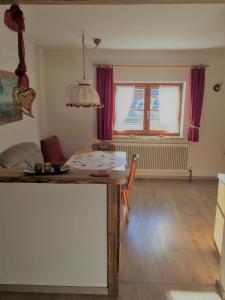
(149, 66)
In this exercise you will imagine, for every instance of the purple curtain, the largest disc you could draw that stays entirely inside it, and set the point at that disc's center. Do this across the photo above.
(105, 115)
(197, 95)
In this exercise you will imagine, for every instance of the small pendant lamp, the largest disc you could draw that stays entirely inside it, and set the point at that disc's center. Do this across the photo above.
(82, 94)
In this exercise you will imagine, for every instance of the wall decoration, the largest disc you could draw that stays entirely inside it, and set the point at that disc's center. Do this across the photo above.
(9, 111)
(23, 95)
(24, 99)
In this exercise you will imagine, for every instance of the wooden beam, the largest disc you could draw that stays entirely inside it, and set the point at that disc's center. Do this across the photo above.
(113, 208)
(112, 1)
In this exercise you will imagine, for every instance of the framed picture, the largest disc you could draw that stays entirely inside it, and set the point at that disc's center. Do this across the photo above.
(9, 111)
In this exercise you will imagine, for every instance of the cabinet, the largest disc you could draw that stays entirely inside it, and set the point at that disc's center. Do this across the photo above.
(220, 213)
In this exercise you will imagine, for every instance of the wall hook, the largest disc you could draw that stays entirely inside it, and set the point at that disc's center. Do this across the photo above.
(97, 41)
(217, 86)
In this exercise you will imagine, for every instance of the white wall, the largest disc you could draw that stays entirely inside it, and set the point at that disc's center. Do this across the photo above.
(28, 128)
(76, 128)
(50, 239)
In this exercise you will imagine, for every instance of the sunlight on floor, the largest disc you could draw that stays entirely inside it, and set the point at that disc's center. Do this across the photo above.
(184, 295)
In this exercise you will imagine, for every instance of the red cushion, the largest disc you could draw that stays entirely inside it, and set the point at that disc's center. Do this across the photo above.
(52, 151)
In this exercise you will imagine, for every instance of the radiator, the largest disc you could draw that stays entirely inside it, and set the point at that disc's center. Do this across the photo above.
(158, 159)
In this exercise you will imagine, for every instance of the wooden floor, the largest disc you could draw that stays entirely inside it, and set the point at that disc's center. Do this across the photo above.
(169, 238)
(168, 244)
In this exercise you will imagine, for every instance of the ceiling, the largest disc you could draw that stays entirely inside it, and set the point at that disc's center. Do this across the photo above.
(126, 26)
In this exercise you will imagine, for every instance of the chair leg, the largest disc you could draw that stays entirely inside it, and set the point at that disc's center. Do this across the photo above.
(128, 200)
(122, 197)
(126, 205)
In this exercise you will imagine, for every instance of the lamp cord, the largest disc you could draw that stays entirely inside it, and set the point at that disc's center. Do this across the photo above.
(84, 77)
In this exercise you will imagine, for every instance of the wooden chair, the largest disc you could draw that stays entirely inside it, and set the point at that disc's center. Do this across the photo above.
(103, 146)
(127, 187)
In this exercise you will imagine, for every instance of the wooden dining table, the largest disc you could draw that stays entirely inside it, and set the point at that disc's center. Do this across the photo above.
(117, 154)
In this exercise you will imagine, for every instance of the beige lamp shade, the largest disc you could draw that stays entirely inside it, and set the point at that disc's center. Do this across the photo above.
(83, 94)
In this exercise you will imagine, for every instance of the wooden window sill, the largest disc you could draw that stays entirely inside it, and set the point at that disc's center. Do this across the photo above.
(135, 138)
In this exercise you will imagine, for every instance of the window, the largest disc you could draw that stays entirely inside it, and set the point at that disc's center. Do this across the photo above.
(148, 109)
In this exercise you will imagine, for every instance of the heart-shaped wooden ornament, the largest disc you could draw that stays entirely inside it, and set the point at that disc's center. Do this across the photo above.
(24, 98)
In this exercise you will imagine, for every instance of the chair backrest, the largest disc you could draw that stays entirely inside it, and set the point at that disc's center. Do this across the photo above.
(104, 146)
(52, 151)
(133, 168)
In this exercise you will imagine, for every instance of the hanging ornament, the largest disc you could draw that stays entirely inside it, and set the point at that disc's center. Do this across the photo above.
(24, 98)
(22, 94)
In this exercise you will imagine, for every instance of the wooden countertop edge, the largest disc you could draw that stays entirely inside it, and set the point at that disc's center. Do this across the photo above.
(74, 176)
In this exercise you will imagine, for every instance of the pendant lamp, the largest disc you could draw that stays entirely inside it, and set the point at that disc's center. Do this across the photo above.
(82, 94)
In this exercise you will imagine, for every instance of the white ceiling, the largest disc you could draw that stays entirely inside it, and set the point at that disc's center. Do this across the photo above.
(126, 26)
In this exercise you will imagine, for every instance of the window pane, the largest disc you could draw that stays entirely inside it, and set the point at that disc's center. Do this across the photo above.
(129, 108)
(164, 109)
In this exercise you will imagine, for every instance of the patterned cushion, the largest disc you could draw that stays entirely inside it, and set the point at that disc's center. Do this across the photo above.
(21, 156)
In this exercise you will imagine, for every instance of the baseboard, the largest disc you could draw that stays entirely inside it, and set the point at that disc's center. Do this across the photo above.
(53, 289)
(171, 174)
(214, 178)
(194, 178)
(167, 173)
